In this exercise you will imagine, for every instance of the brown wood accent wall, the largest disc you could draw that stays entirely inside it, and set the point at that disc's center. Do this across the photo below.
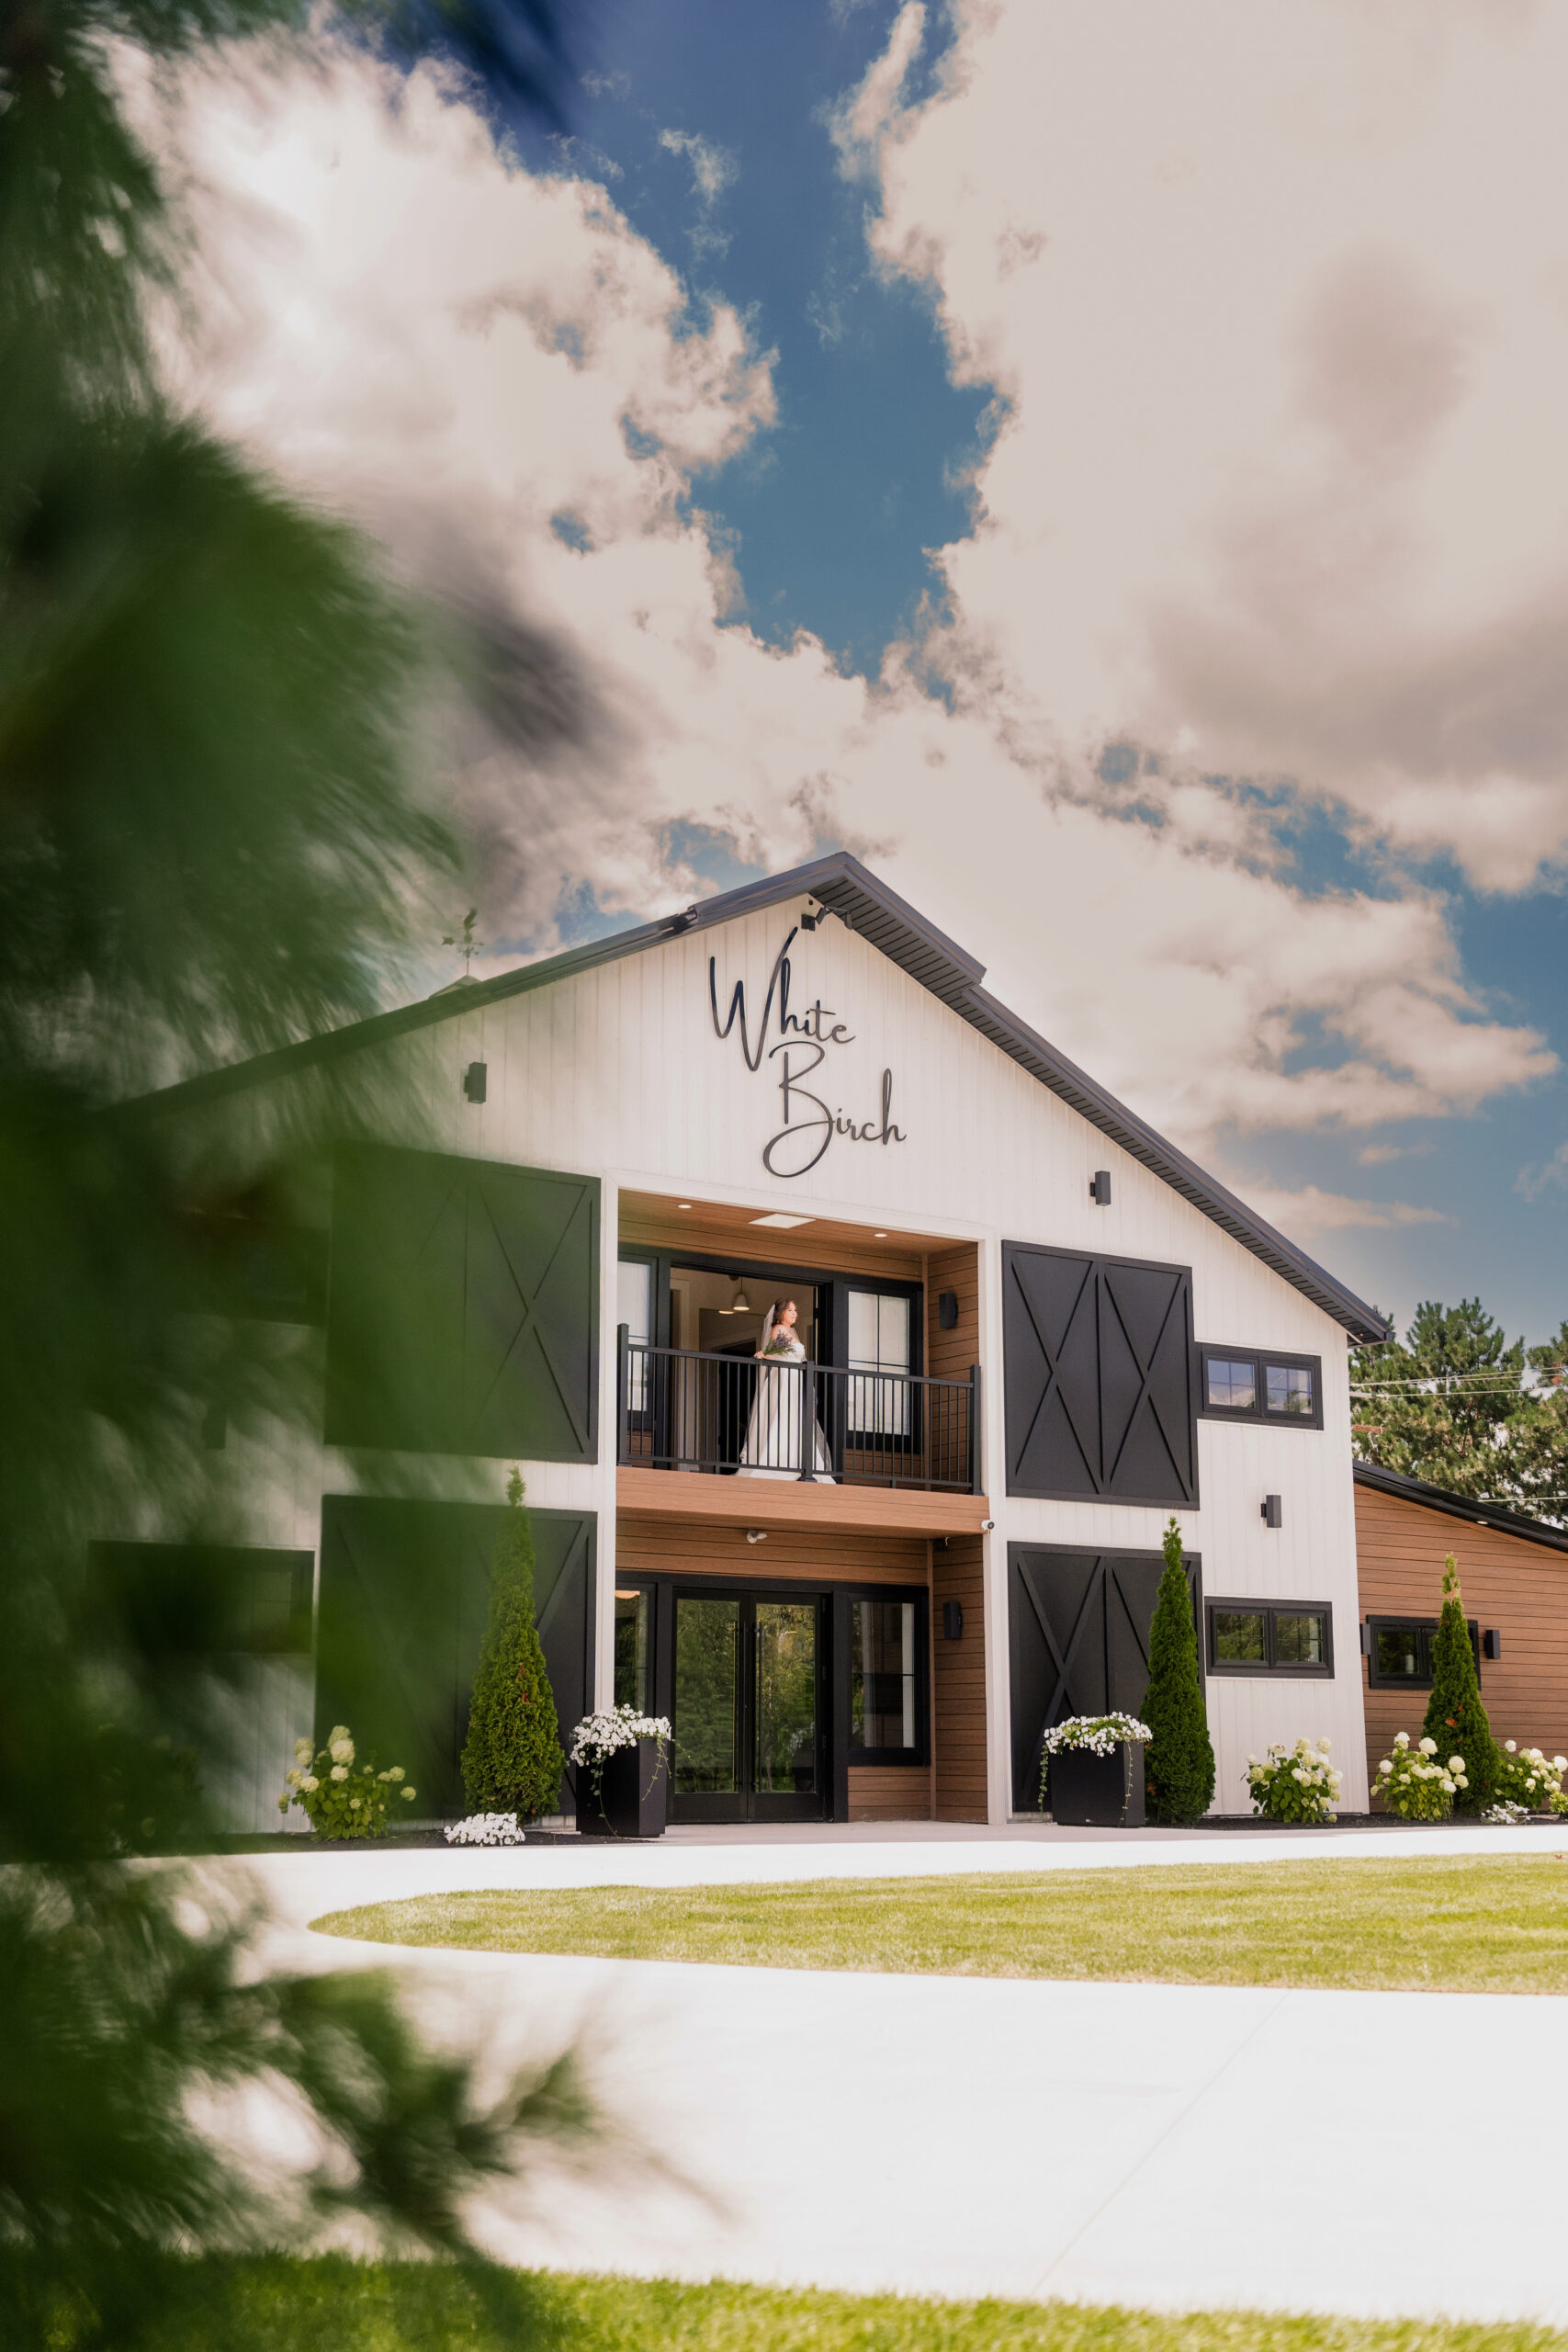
(1508, 1581)
(679, 1547)
(709, 1231)
(950, 1354)
(958, 1683)
(889, 1792)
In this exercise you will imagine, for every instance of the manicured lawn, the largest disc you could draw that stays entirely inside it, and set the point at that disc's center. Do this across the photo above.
(1446, 1925)
(333, 2305)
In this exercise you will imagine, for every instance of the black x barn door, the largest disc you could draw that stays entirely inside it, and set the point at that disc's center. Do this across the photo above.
(405, 1587)
(462, 1307)
(1079, 1640)
(1099, 1376)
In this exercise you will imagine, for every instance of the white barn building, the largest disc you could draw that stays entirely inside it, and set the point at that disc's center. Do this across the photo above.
(861, 1584)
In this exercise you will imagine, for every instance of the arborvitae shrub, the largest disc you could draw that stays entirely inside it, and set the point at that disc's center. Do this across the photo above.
(1455, 1716)
(1178, 1762)
(511, 1758)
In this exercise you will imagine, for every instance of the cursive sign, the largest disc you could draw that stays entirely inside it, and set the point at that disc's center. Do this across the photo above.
(800, 1049)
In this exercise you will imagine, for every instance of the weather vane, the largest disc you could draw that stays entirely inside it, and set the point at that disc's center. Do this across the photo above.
(464, 941)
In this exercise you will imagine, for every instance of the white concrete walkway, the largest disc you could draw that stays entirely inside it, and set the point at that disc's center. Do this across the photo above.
(1178, 2146)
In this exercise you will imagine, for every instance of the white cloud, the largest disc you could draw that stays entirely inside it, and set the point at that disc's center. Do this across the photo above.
(500, 375)
(1310, 1211)
(1278, 302)
(1550, 1175)
(714, 168)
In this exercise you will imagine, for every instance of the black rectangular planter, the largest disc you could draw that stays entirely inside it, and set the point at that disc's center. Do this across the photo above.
(1092, 1792)
(633, 1796)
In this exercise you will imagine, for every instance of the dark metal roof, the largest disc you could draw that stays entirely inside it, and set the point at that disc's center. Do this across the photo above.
(867, 906)
(1416, 1490)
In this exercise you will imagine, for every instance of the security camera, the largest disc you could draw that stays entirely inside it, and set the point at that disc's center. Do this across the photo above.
(755, 1535)
(987, 1526)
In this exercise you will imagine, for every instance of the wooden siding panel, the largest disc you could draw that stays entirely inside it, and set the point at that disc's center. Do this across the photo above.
(687, 1547)
(950, 1354)
(889, 1792)
(1518, 1587)
(958, 1683)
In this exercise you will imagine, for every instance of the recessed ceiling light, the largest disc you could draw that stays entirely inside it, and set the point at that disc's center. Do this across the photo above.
(682, 1205)
(780, 1221)
(879, 1236)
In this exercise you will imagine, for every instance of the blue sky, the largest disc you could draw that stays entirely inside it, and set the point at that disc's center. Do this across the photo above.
(1103, 463)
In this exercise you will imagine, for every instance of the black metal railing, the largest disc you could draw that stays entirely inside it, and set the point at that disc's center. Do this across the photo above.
(686, 1409)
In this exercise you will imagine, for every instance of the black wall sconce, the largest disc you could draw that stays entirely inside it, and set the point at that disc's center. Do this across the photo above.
(474, 1078)
(947, 1309)
(1366, 1637)
(1492, 1642)
(952, 1620)
(1100, 1191)
(1273, 1511)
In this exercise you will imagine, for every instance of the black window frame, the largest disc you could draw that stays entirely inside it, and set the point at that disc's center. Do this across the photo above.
(916, 1759)
(1425, 1630)
(1269, 1609)
(1260, 1359)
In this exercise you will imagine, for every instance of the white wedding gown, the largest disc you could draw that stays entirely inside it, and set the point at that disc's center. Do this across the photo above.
(771, 1445)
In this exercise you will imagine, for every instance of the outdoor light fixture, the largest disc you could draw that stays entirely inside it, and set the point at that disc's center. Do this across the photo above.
(808, 922)
(1492, 1642)
(1366, 1637)
(953, 1620)
(755, 1535)
(947, 1309)
(780, 1221)
(474, 1078)
(1100, 1191)
(682, 1205)
(879, 1236)
(739, 1304)
(1273, 1511)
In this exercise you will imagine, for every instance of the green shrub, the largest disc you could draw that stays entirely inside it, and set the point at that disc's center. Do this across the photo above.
(1455, 1718)
(1414, 1783)
(1294, 1783)
(511, 1758)
(1178, 1764)
(341, 1794)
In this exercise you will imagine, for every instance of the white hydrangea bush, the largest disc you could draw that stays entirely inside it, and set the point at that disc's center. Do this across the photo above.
(1526, 1782)
(1295, 1784)
(341, 1795)
(1415, 1784)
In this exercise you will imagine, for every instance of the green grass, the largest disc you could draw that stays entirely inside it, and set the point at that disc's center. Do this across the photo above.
(1447, 1925)
(331, 2304)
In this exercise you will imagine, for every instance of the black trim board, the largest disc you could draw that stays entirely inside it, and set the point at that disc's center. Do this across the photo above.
(864, 904)
(1378, 1480)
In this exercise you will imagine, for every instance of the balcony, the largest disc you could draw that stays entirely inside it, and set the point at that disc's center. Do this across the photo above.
(795, 1443)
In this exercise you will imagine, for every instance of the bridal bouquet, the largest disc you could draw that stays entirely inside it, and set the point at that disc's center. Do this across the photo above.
(779, 1345)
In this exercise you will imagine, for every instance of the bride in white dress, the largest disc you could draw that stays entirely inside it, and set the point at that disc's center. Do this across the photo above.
(772, 1444)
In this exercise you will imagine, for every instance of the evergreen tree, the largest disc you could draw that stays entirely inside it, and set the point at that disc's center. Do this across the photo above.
(1178, 1763)
(1449, 1406)
(1455, 1716)
(511, 1758)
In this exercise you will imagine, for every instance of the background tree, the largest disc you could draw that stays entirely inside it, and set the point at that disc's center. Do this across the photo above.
(1178, 1762)
(511, 1758)
(212, 840)
(1459, 1406)
(1455, 1717)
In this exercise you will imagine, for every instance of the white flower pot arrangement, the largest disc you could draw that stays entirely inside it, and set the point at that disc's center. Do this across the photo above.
(1295, 1784)
(622, 1773)
(1092, 1768)
(1415, 1784)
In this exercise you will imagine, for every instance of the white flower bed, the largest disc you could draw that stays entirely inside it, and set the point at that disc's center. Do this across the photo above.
(1528, 1781)
(485, 1829)
(599, 1736)
(1099, 1734)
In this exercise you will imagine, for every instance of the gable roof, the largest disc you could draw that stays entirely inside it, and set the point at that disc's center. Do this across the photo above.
(865, 905)
(1416, 1490)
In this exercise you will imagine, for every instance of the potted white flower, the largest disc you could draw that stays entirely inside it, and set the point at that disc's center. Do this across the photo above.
(622, 1773)
(1093, 1767)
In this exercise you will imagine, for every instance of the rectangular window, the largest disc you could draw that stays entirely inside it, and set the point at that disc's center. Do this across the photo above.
(1270, 1638)
(1255, 1384)
(634, 1308)
(884, 1687)
(880, 1330)
(1399, 1651)
(634, 1656)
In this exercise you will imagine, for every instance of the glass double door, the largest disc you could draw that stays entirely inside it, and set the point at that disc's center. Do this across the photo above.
(747, 1711)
